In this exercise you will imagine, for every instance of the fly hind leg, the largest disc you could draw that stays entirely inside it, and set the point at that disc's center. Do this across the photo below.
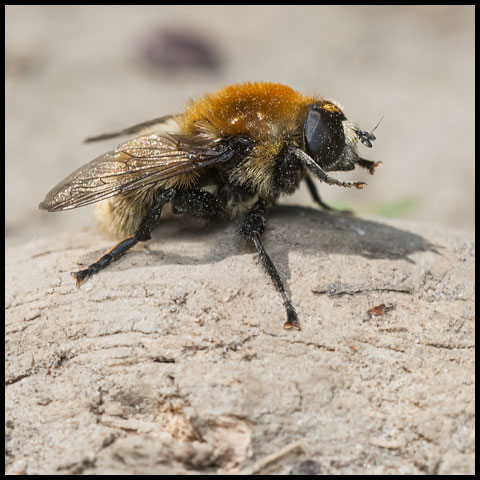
(149, 222)
(252, 228)
(195, 202)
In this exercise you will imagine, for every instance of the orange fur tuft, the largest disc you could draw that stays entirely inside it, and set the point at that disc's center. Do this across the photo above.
(251, 108)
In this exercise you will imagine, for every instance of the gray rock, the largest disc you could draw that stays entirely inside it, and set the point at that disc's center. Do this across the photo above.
(174, 360)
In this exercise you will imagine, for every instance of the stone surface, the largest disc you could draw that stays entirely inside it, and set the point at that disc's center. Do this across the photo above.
(174, 359)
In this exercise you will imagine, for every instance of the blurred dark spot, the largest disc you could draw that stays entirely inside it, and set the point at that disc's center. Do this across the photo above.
(180, 49)
(23, 63)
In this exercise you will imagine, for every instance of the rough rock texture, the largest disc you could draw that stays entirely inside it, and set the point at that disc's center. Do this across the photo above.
(174, 360)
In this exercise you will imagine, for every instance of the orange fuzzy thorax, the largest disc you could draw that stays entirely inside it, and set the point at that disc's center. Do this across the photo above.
(259, 109)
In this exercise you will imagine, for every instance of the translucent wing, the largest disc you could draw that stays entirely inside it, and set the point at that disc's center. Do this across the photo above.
(133, 129)
(135, 164)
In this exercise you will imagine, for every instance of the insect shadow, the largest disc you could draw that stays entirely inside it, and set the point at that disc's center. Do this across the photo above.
(187, 241)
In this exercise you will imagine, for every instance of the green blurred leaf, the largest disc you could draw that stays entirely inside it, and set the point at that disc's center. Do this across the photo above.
(397, 208)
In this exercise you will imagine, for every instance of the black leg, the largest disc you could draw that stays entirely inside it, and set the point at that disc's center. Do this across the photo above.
(314, 168)
(252, 228)
(315, 195)
(198, 203)
(149, 222)
(317, 199)
(369, 165)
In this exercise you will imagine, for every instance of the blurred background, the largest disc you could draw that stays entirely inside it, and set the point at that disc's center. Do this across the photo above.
(77, 71)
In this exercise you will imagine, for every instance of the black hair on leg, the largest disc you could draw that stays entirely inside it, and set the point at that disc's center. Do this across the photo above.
(252, 228)
(149, 222)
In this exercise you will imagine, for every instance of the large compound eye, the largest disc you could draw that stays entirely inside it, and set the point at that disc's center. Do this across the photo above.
(324, 134)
